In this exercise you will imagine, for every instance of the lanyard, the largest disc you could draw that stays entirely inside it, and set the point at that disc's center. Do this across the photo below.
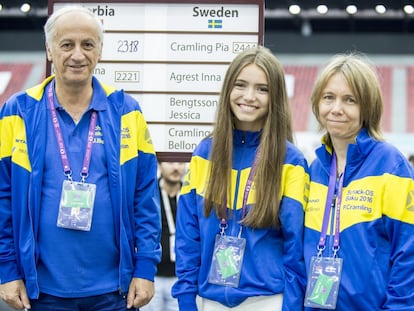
(168, 210)
(332, 202)
(223, 222)
(61, 144)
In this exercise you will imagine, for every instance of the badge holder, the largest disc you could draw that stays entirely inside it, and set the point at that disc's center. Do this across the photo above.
(227, 260)
(323, 282)
(76, 205)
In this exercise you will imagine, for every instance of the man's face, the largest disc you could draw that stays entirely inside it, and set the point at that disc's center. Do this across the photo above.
(172, 172)
(75, 49)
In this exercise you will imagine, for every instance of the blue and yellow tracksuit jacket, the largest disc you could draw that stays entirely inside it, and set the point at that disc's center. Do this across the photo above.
(132, 178)
(376, 225)
(273, 259)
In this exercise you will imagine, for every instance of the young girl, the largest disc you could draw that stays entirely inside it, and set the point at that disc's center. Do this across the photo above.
(240, 214)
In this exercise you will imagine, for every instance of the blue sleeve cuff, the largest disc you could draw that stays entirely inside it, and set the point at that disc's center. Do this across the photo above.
(145, 269)
(187, 302)
(9, 272)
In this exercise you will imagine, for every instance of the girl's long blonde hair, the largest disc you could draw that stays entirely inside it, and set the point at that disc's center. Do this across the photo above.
(276, 132)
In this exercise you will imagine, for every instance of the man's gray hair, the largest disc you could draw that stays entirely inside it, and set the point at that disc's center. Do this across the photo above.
(49, 28)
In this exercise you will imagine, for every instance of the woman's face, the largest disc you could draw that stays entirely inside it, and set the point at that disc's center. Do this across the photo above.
(339, 112)
(249, 99)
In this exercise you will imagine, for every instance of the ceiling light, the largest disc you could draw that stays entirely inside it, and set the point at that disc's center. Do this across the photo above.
(408, 9)
(294, 9)
(351, 9)
(322, 9)
(25, 7)
(380, 9)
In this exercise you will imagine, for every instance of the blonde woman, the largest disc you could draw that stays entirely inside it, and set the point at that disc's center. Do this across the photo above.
(359, 220)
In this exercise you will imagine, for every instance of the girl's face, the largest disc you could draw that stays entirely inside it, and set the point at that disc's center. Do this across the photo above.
(340, 113)
(249, 99)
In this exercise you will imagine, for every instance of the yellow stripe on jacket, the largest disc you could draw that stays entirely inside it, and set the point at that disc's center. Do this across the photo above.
(135, 136)
(361, 199)
(199, 181)
(13, 143)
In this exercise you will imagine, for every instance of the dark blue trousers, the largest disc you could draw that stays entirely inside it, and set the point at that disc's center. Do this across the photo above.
(107, 302)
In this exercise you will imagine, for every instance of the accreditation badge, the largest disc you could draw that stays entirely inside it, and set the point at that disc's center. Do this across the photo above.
(227, 260)
(76, 205)
(323, 282)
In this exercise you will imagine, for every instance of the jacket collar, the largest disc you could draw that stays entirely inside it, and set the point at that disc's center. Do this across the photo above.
(356, 152)
(246, 138)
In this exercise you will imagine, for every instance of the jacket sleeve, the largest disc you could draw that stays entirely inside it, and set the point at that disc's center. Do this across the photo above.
(147, 207)
(398, 214)
(147, 220)
(188, 248)
(8, 262)
(293, 202)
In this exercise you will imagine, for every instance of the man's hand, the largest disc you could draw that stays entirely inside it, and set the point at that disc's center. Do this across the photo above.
(14, 294)
(140, 293)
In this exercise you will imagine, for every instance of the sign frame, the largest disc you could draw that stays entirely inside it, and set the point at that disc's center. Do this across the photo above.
(162, 155)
